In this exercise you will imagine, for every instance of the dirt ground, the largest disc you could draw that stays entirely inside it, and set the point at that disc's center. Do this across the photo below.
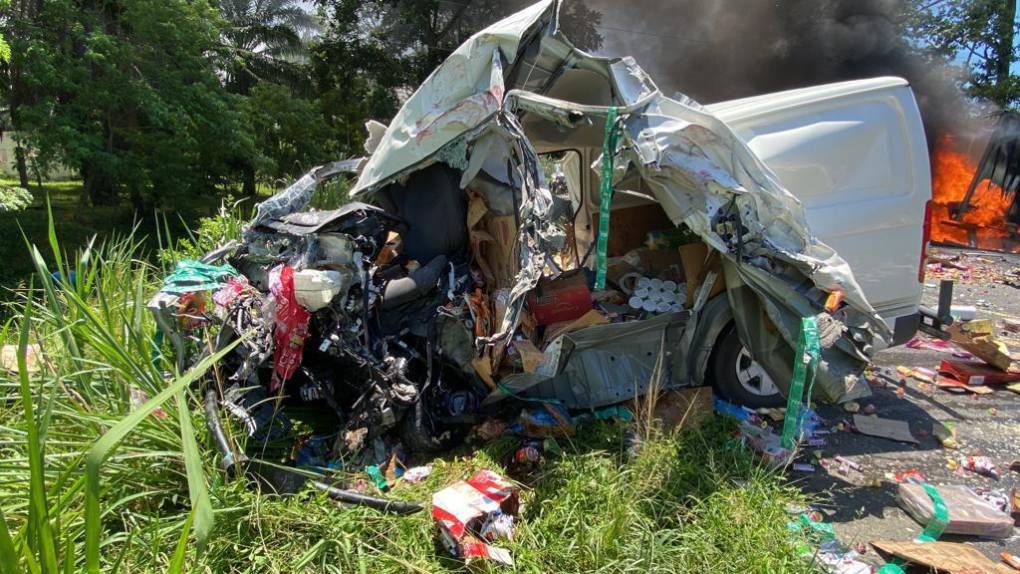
(985, 424)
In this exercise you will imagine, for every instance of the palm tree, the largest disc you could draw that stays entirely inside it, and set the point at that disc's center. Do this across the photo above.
(263, 40)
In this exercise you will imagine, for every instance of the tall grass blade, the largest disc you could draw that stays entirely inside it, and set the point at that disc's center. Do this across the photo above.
(38, 514)
(177, 563)
(201, 507)
(104, 447)
(8, 556)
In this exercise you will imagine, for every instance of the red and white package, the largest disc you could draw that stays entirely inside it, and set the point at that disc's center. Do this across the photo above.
(291, 326)
(466, 511)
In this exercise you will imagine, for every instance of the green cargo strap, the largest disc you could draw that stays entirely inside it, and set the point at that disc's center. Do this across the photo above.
(939, 518)
(932, 531)
(605, 197)
(805, 359)
(191, 276)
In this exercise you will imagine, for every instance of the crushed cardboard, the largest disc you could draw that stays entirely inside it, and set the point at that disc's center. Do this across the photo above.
(978, 337)
(950, 557)
(891, 429)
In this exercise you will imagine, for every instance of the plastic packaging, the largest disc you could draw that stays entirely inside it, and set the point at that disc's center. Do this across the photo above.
(981, 465)
(291, 326)
(968, 512)
(315, 288)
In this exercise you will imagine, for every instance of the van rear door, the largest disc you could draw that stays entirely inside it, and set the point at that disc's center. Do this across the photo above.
(855, 154)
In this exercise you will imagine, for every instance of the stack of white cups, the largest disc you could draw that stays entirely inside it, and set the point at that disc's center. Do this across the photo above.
(658, 296)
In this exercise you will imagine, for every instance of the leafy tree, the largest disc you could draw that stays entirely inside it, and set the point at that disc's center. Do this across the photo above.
(979, 33)
(124, 91)
(5, 48)
(288, 131)
(262, 41)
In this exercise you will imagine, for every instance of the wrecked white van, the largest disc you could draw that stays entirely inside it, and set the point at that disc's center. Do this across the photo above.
(540, 223)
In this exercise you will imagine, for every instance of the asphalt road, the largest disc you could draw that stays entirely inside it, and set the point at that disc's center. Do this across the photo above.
(985, 424)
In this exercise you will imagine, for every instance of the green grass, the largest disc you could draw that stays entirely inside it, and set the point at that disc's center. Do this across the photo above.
(87, 478)
(79, 224)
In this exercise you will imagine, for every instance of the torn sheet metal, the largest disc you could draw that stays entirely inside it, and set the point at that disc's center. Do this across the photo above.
(299, 194)
(465, 91)
(606, 364)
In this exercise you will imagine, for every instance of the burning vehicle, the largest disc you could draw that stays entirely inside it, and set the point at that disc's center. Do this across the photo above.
(481, 264)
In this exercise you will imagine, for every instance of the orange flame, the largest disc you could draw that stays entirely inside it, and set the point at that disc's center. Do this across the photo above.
(983, 225)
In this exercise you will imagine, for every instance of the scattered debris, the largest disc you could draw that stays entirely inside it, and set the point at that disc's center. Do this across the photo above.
(969, 513)
(950, 557)
(417, 474)
(472, 512)
(982, 465)
(885, 428)
(978, 337)
(945, 432)
(974, 373)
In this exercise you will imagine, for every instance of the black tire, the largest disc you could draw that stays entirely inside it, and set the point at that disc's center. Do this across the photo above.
(722, 373)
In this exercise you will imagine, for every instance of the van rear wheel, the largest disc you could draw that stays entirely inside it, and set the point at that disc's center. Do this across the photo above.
(738, 377)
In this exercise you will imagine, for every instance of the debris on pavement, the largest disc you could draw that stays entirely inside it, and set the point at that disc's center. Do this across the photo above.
(968, 513)
(945, 433)
(473, 512)
(846, 470)
(975, 373)
(950, 557)
(885, 428)
(982, 465)
(1011, 560)
(978, 337)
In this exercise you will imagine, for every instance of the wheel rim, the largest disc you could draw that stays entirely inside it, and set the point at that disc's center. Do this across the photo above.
(753, 377)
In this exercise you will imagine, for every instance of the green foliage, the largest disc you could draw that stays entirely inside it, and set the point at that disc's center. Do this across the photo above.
(13, 198)
(979, 33)
(289, 135)
(5, 48)
(211, 232)
(126, 93)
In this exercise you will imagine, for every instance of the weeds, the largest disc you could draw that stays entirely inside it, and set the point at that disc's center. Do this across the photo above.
(93, 477)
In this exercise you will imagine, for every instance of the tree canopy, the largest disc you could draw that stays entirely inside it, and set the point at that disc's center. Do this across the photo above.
(159, 101)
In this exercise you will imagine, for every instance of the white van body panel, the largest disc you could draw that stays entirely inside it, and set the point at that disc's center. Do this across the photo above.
(855, 154)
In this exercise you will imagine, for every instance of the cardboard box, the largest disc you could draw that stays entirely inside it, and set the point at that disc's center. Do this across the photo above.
(696, 263)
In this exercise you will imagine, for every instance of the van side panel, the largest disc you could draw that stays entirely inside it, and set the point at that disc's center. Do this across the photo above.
(859, 163)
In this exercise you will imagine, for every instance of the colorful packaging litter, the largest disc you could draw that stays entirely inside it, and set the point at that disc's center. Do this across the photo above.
(291, 324)
(472, 512)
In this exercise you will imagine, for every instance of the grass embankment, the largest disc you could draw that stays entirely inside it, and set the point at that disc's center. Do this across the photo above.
(694, 502)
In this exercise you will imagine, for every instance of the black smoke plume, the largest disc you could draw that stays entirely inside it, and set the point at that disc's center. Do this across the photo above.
(714, 50)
